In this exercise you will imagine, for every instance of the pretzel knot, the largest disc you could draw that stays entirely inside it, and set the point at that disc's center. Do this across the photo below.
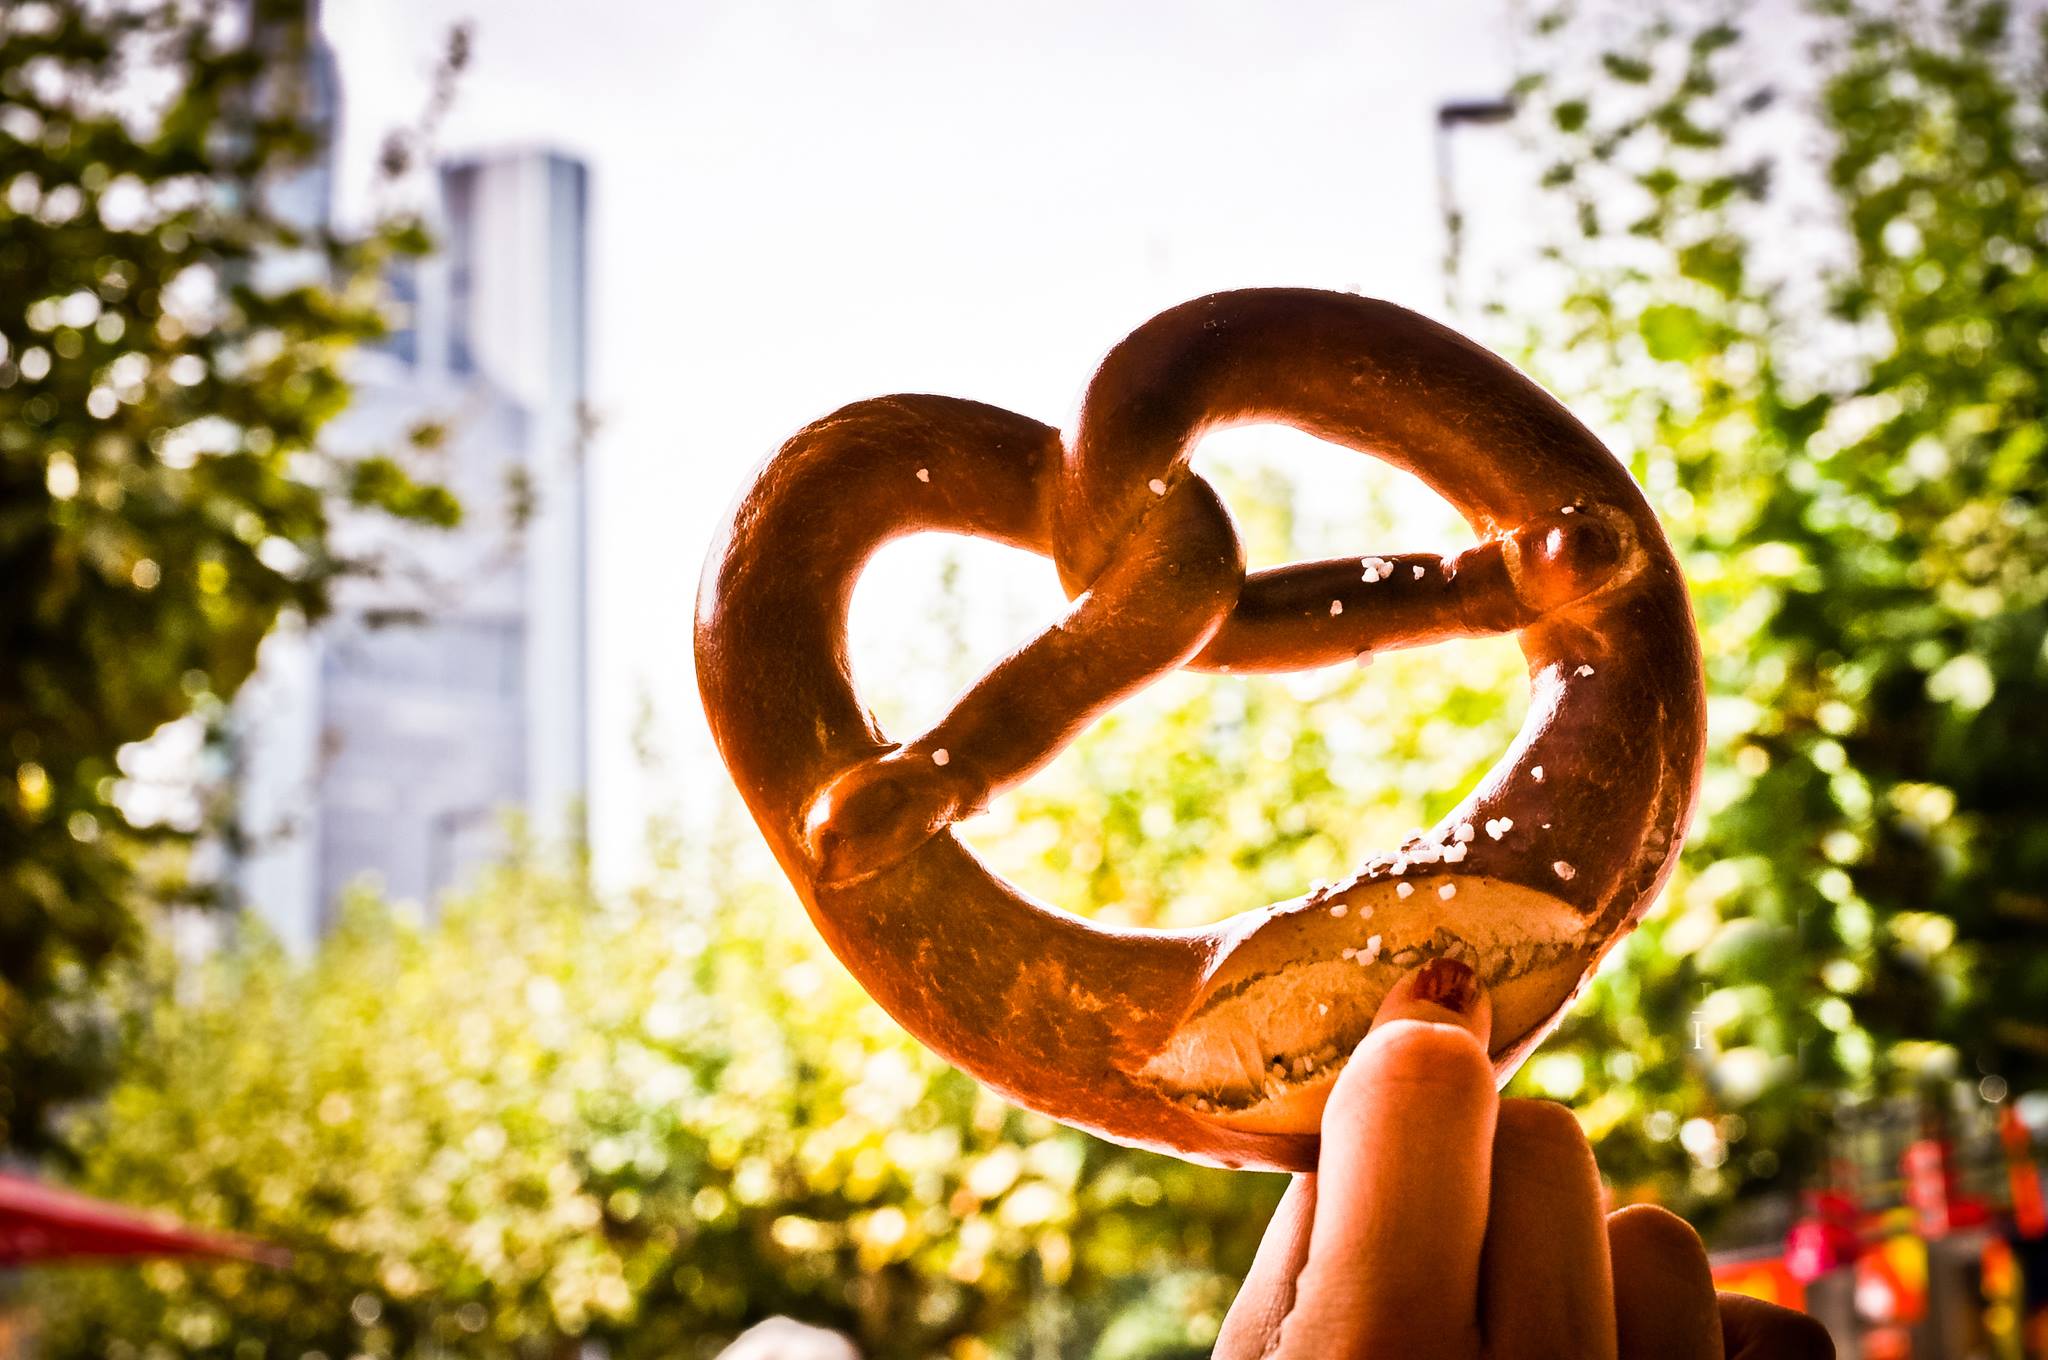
(1219, 1043)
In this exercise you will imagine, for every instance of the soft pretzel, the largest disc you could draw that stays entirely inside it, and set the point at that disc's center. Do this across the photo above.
(1219, 1044)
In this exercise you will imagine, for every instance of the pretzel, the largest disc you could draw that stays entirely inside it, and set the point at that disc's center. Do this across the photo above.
(1218, 1044)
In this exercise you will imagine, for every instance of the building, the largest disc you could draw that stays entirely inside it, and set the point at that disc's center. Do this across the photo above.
(446, 695)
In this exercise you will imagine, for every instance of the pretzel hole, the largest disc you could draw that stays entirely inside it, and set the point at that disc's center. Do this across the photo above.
(1296, 497)
(931, 612)
(1302, 776)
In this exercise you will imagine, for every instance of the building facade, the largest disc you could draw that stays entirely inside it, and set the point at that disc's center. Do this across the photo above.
(394, 743)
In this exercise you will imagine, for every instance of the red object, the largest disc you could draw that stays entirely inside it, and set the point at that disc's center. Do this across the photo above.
(39, 1223)
(2029, 1208)
(1827, 1239)
(1768, 1278)
(1930, 1186)
(1814, 1248)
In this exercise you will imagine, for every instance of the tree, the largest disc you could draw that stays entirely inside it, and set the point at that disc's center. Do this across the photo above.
(172, 330)
(1815, 314)
(650, 1120)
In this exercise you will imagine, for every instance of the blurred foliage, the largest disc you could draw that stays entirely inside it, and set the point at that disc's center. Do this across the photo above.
(171, 337)
(655, 1119)
(649, 1121)
(1800, 271)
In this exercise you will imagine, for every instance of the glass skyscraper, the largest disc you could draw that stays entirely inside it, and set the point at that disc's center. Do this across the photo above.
(447, 691)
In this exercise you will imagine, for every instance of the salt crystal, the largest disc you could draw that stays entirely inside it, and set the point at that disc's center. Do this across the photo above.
(1365, 658)
(1464, 831)
(1322, 1009)
(1370, 577)
(924, 474)
(1339, 910)
(1537, 774)
(1454, 853)
(1371, 950)
(1404, 890)
(1564, 871)
(1507, 824)
(940, 756)
(1571, 509)
(1336, 608)
(1583, 670)
(1351, 953)
(1158, 487)
(1447, 891)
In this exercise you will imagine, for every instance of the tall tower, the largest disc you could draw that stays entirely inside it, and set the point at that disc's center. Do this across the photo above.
(313, 87)
(391, 742)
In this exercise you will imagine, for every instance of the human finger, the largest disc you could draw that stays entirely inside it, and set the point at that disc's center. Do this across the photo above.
(1545, 1287)
(1754, 1330)
(1252, 1327)
(1401, 1188)
(1664, 1305)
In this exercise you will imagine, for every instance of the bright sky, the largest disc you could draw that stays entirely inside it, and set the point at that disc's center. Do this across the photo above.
(797, 205)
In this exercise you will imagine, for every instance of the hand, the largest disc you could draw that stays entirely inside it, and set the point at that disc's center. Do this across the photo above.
(1445, 1223)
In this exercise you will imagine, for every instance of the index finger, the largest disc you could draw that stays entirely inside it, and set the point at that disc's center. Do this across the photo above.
(1401, 1189)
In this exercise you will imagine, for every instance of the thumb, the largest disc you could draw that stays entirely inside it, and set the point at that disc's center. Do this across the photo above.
(1403, 1180)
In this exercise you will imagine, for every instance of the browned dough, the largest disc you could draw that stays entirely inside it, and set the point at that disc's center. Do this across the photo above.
(1218, 1044)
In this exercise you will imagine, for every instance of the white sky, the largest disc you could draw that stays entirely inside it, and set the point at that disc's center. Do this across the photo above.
(799, 205)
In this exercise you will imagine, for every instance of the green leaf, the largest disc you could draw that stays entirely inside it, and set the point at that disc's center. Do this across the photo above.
(1717, 262)
(1673, 332)
(380, 482)
(1716, 37)
(1623, 67)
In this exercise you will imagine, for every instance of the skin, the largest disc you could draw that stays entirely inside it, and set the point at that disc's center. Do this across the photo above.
(1444, 1223)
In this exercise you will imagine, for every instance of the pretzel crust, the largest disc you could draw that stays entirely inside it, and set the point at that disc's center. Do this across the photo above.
(1217, 1044)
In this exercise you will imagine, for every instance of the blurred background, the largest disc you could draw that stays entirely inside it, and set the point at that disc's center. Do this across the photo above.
(387, 968)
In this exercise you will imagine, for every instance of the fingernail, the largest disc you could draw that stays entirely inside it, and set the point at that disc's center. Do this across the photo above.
(1449, 983)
